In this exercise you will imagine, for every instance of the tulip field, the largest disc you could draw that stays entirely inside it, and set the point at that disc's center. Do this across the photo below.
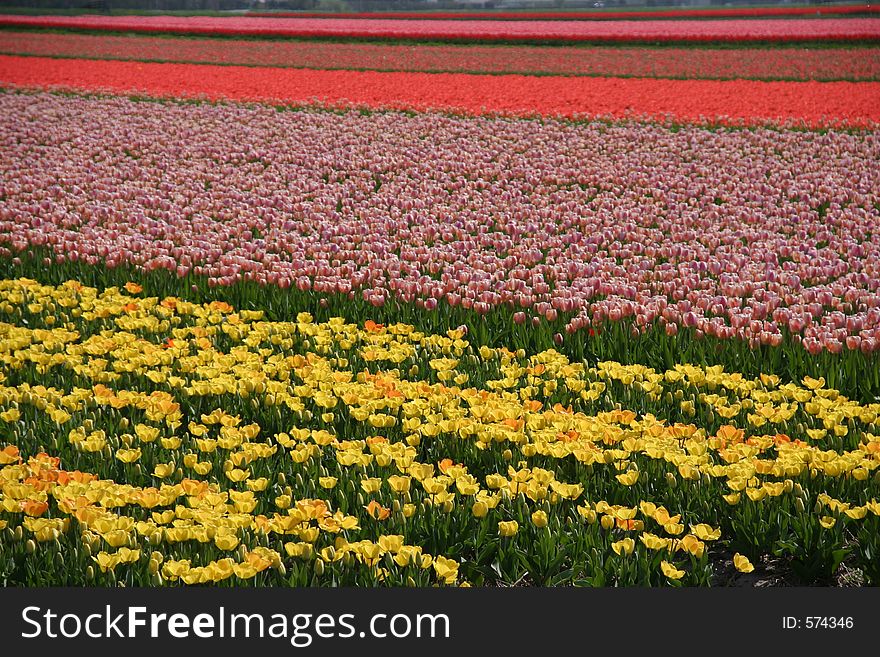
(309, 301)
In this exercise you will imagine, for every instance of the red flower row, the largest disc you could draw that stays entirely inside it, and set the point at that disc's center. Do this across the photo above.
(811, 103)
(824, 29)
(730, 12)
(798, 64)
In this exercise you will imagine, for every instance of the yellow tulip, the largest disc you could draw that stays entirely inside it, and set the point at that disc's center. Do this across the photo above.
(446, 569)
(692, 545)
(705, 532)
(495, 481)
(399, 484)
(539, 519)
(628, 478)
(674, 528)
(624, 547)
(508, 528)
(245, 570)
(587, 513)
(857, 513)
(128, 455)
(163, 470)
(258, 485)
(827, 522)
(371, 485)
(226, 542)
(299, 550)
(116, 538)
(654, 542)
(671, 571)
(237, 475)
(742, 563)
(391, 544)
(105, 561)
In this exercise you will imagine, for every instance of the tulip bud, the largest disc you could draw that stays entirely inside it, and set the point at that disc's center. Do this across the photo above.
(30, 546)
(799, 505)
(395, 506)
(282, 480)
(671, 481)
(281, 569)
(788, 486)
(90, 573)
(507, 455)
(607, 522)
(153, 567)
(410, 581)
(19, 533)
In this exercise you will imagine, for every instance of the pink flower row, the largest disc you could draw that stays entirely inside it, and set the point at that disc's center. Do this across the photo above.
(739, 234)
(797, 29)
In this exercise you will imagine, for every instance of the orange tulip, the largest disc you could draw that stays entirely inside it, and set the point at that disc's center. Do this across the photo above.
(377, 511)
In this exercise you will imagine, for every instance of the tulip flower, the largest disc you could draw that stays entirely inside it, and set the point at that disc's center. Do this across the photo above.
(742, 563)
(670, 571)
(623, 547)
(508, 528)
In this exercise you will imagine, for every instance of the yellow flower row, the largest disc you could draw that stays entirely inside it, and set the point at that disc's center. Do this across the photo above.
(353, 407)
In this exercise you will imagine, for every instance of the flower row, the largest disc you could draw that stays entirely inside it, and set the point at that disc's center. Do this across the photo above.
(733, 30)
(727, 12)
(794, 64)
(196, 443)
(753, 235)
